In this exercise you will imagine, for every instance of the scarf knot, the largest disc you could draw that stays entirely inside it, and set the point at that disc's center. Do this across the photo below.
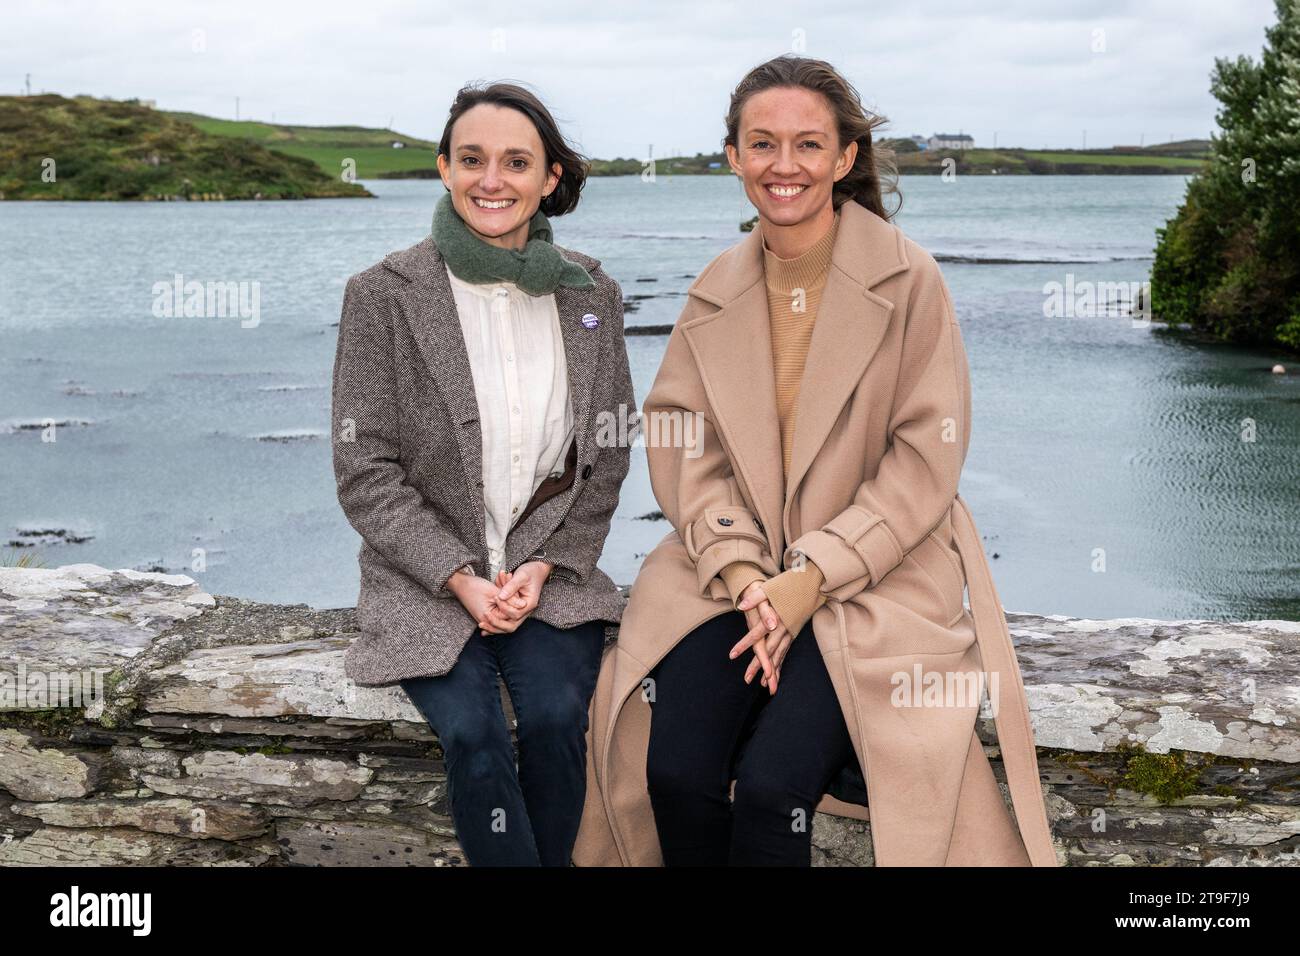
(537, 269)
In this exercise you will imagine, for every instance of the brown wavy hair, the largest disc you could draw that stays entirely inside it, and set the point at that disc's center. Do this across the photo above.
(574, 167)
(874, 174)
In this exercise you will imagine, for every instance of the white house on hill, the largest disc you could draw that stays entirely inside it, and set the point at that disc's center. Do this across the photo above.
(952, 141)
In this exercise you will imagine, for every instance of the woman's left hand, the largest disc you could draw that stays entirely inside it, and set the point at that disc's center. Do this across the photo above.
(775, 643)
(778, 645)
(764, 625)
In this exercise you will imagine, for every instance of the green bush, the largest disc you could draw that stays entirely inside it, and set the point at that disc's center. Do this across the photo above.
(1228, 263)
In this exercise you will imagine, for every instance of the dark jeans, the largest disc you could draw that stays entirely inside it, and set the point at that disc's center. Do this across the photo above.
(706, 722)
(506, 817)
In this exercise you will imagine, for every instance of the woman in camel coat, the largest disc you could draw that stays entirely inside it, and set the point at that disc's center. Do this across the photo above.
(869, 504)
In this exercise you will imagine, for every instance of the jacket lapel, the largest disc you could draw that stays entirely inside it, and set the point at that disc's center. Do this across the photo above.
(732, 346)
(582, 356)
(430, 309)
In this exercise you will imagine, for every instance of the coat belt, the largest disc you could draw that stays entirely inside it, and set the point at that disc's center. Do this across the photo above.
(1011, 710)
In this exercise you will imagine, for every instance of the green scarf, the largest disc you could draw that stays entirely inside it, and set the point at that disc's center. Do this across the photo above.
(537, 269)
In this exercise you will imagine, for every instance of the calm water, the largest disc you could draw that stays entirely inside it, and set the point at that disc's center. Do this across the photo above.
(1088, 434)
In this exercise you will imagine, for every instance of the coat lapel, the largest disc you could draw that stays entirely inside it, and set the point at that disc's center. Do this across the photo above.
(850, 325)
(732, 346)
(733, 349)
(430, 309)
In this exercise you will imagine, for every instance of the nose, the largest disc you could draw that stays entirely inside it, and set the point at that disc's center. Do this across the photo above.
(491, 178)
(785, 160)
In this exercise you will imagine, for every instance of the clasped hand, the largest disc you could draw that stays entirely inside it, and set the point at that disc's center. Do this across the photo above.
(767, 635)
(500, 606)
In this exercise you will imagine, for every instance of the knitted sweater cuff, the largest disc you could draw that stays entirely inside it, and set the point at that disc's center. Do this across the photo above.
(739, 575)
(795, 594)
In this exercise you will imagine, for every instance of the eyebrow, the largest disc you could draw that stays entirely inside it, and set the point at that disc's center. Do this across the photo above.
(802, 132)
(513, 151)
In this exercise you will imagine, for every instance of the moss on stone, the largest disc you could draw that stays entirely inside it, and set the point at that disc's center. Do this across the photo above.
(1167, 777)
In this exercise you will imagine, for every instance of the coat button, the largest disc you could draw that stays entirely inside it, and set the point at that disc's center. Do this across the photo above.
(725, 521)
(586, 472)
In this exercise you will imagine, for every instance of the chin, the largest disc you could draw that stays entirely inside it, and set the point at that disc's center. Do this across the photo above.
(780, 214)
(486, 226)
(493, 229)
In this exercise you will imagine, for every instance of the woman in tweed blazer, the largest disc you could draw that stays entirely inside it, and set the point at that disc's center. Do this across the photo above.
(408, 449)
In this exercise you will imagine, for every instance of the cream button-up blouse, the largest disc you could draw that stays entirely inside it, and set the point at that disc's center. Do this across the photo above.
(521, 381)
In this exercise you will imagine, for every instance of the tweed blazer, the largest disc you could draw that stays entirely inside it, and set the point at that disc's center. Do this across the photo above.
(407, 453)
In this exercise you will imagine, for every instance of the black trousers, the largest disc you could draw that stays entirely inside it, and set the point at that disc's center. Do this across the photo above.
(707, 725)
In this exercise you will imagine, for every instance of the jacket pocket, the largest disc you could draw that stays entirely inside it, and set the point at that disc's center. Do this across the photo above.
(946, 571)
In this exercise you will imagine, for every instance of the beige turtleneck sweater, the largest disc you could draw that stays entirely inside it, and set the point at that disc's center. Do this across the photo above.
(794, 291)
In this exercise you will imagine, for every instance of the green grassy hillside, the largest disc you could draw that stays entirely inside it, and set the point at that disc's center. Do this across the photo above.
(329, 146)
(1061, 162)
(54, 147)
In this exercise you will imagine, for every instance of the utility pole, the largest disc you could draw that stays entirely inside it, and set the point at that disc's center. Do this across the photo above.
(29, 84)
(236, 109)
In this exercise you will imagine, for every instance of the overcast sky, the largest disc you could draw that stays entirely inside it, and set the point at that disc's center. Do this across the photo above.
(621, 77)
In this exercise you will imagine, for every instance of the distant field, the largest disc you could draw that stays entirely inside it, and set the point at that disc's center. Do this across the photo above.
(329, 146)
(1048, 162)
(1117, 159)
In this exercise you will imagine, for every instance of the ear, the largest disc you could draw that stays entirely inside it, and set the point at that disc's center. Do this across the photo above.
(846, 160)
(444, 171)
(553, 179)
(733, 158)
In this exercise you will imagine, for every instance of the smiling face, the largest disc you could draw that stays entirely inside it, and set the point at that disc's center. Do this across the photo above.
(497, 173)
(789, 157)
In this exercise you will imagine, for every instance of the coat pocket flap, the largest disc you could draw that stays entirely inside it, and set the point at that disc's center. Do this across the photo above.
(719, 524)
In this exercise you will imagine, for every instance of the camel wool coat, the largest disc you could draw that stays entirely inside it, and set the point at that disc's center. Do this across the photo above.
(882, 430)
